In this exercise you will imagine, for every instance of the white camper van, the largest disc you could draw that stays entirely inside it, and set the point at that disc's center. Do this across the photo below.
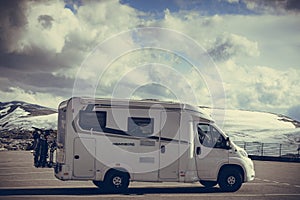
(112, 142)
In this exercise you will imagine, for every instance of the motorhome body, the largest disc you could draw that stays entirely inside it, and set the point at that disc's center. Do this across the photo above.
(112, 142)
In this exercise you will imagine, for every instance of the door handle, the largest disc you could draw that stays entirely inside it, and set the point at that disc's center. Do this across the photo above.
(76, 157)
(163, 149)
(198, 150)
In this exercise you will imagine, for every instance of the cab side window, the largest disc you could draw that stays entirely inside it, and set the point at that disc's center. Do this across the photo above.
(209, 136)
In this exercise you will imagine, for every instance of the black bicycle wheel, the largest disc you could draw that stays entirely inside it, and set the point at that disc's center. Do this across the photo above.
(37, 153)
(44, 153)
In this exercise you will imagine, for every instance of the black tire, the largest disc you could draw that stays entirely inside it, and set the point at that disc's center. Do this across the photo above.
(230, 180)
(99, 184)
(50, 164)
(44, 153)
(116, 181)
(37, 153)
(209, 184)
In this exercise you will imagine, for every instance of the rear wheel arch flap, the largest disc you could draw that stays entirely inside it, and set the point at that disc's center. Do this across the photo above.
(231, 167)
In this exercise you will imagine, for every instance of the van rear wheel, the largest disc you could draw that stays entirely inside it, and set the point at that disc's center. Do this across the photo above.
(209, 184)
(230, 180)
(99, 184)
(117, 181)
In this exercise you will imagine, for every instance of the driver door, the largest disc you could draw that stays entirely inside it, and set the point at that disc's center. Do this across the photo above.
(211, 151)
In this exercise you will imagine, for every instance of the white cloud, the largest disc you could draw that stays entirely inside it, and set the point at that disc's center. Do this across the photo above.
(249, 85)
(51, 26)
(229, 46)
(233, 1)
(137, 69)
(19, 94)
(277, 38)
(259, 65)
(270, 35)
(260, 87)
(50, 34)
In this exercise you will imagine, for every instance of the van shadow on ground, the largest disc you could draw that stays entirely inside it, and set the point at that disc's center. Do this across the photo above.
(96, 191)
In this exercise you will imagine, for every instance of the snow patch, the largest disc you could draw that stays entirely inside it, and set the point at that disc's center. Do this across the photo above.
(251, 126)
(15, 115)
(4, 111)
(45, 121)
(255, 120)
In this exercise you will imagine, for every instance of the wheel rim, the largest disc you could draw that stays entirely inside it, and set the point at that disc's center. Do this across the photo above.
(117, 181)
(231, 180)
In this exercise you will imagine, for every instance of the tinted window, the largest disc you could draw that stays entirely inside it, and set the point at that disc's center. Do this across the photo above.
(141, 127)
(92, 120)
(209, 136)
(61, 126)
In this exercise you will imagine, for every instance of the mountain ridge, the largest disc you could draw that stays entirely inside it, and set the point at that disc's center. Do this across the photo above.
(16, 115)
(240, 125)
(31, 108)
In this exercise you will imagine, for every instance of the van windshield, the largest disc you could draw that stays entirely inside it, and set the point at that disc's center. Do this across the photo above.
(220, 130)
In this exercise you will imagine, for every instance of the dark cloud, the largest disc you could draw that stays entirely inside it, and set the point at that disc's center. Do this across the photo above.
(12, 24)
(36, 80)
(5, 85)
(220, 51)
(33, 58)
(228, 46)
(294, 112)
(12, 20)
(293, 5)
(28, 57)
(31, 67)
(274, 6)
(39, 57)
(43, 82)
(46, 21)
(35, 72)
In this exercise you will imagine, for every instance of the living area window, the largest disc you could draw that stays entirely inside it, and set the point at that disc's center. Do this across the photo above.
(141, 127)
(92, 120)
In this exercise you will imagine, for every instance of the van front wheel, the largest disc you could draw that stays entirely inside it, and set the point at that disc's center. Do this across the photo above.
(230, 180)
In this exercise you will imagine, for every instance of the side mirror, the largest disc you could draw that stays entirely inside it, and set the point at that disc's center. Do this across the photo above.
(227, 144)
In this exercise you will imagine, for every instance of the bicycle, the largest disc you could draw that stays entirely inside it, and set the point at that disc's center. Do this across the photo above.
(42, 147)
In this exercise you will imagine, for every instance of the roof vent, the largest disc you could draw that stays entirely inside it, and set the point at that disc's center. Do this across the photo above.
(150, 100)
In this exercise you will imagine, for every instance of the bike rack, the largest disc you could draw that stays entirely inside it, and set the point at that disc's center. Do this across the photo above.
(43, 148)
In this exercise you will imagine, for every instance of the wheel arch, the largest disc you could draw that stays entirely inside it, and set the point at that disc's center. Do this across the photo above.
(119, 169)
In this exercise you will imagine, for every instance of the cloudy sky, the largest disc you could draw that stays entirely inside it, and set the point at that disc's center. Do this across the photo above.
(236, 54)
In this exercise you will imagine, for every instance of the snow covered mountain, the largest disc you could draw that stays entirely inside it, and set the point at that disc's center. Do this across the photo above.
(253, 126)
(17, 115)
(240, 125)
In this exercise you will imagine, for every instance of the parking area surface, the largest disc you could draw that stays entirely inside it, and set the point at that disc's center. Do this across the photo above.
(20, 180)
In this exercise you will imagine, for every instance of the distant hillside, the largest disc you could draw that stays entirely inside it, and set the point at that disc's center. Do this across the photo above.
(18, 115)
(250, 126)
(253, 126)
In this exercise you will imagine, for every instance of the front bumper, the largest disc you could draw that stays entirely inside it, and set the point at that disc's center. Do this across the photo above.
(249, 170)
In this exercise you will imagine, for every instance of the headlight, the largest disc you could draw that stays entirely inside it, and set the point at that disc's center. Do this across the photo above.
(243, 152)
